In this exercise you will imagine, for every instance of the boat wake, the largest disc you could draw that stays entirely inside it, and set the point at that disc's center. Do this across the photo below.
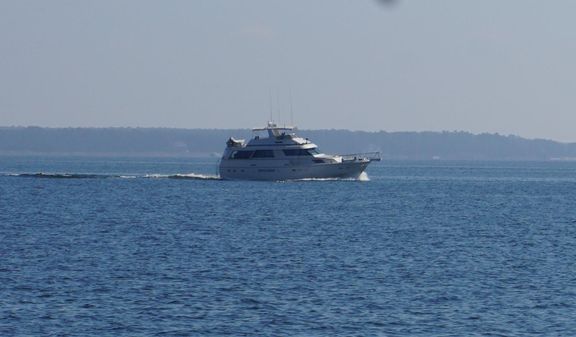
(42, 175)
(182, 176)
(61, 175)
(363, 177)
(188, 176)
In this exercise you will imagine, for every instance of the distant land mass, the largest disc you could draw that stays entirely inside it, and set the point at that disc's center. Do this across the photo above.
(453, 145)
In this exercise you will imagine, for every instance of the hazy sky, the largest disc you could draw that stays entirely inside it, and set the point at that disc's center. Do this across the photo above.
(506, 66)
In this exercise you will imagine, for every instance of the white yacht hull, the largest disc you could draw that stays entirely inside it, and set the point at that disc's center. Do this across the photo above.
(233, 170)
(284, 156)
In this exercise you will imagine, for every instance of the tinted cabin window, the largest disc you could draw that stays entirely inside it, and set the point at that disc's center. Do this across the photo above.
(291, 152)
(299, 152)
(263, 154)
(313, 151)
(241, 154)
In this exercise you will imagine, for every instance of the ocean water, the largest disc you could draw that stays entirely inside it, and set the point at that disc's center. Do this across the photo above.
(159, 247)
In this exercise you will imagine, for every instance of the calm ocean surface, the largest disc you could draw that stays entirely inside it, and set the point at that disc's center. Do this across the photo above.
(141, 247)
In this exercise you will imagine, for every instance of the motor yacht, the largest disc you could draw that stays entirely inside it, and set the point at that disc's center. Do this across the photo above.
(281, 155)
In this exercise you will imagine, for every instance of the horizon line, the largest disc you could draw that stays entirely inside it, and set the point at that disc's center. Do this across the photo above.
(249, 129)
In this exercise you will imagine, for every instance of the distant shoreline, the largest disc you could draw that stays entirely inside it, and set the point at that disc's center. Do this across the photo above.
(209, 143)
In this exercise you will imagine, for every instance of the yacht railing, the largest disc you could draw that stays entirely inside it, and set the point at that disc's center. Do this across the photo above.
(372, 156)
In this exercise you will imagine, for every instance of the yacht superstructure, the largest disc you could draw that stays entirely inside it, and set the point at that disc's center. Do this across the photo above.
(284, 156)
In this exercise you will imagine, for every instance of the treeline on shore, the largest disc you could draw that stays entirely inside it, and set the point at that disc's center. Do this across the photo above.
(454, 145)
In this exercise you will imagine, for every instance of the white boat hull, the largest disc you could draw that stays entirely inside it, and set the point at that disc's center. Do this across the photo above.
(232, 170)
(284, 156)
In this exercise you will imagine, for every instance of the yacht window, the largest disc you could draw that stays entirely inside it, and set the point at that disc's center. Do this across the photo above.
(241, 154)
(263, 154)
(313, 151)
(300, 152)
(291, 152)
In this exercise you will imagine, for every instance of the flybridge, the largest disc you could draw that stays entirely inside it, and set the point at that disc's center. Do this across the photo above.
(274, 130)
(274, 126)
(279, 136)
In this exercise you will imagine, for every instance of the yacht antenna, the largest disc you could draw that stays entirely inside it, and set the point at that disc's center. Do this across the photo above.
(291, 109)
(270, 102)
(278, 108)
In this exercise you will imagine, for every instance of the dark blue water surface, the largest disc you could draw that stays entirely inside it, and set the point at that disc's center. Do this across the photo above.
(140, 247)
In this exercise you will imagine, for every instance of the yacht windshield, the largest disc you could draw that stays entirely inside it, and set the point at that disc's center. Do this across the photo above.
(313, 151)
(301, 152)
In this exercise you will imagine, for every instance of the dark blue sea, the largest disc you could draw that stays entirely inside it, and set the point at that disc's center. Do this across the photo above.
(160, 247)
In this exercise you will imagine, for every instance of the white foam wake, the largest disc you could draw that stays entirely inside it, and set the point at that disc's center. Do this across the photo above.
(194, 176)
(362, 177)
